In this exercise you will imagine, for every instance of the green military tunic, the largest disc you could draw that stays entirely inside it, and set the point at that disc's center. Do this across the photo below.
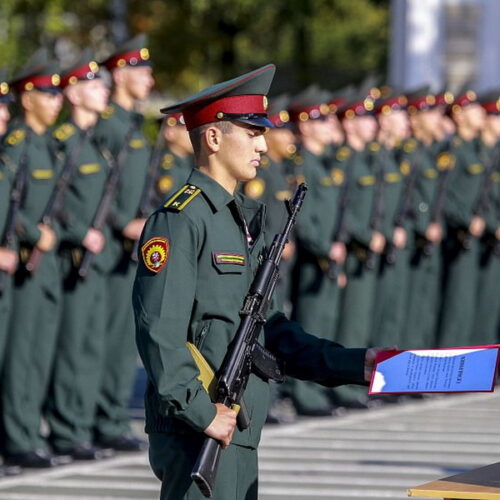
(460, 263)
(172, 173)
(78, 366)
(424, 271)
(121, 355)
(36, 301)
(183, 250)
(357, 302)
(487, 311)
(315, 296)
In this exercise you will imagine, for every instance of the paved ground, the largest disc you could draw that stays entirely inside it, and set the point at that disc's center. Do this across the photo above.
(370, 455)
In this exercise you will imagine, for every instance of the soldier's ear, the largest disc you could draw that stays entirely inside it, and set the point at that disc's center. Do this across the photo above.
(27, 101)
(213, 138)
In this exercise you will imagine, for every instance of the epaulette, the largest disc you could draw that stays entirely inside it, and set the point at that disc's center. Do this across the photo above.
(64, 132)
(109, 111)
(180, 200)
(409, 145)
(15, 137)
(343, 153)
(445, 161)
(374, 147)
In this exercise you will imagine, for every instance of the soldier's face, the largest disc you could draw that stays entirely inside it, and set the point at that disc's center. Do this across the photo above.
(4, 118)
(44, 107)
(138, 81)
(366, 127)
(474, 116)
(281, 141)
(240, 151)
(94, 95)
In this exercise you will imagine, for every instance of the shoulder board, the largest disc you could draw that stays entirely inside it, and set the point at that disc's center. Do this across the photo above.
(409, 145)
(64, 132)
(108, 112)
(343, 153)
(374, 147)
(15, 137)
(180, 200)
(475, 169)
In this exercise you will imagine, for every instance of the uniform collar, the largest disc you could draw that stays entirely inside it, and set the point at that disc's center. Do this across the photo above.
(125, 114)
(212, 190)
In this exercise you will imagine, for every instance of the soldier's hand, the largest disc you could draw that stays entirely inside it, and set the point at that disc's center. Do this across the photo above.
(399, 237)
(377, 243)
(434, 233)
(94, 241)
(342, 280)
(223, 425)
(497, 234)
(8, 260)
(337, 252)
(288, 251)
(477, 226)
(134, 228)
(47, 238)
(370, 356)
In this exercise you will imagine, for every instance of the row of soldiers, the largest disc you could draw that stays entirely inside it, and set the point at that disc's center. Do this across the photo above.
(73, 202)
(397, 242)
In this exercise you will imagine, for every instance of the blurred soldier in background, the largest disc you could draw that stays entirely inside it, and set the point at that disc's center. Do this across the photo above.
(488, 299)
(176, 159)
(465, 224)
(78, 365)
(120, 132)
(37, 296)
(8, 256)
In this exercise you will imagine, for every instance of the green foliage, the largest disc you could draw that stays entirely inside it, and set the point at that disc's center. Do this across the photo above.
(195, 42)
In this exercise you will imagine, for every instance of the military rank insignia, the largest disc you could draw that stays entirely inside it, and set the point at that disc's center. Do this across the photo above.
(155, 253)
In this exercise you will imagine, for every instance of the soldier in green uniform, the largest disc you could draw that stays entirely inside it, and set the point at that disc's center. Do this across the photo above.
(424, 230)
(487, 312)
(36, 297)
(198, 256)
(176, 158)
(119, 128)
(8, 256)
(389, 311)
(78, 366)
(314, 294)
(464, 225)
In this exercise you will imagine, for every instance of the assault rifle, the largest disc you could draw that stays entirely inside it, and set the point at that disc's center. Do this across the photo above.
(149, 186)
(55, 203)
(239, 359)
(108, 196)
(16, 196)
(378, 208)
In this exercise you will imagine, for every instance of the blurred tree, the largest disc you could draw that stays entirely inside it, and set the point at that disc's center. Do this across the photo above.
(195, 42)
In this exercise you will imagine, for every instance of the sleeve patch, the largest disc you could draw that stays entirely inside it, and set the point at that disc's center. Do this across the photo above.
(155, 253)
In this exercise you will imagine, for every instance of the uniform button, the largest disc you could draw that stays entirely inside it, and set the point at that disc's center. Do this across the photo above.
(423, 207)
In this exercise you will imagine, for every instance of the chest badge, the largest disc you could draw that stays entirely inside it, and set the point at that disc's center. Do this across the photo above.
(155, 253)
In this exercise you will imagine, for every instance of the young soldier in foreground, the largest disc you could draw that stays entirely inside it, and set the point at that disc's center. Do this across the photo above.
(197, 258)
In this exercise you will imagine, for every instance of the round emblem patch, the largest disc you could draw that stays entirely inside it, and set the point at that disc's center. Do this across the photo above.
(165, 184)
(255, 188)
(155, 253)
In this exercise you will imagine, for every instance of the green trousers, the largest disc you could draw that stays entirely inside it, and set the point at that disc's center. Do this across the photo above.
(5, 310)
(460, 280)
(78, 366)
(172, 457)
(120, 358)
(29, 355)
(487, 312)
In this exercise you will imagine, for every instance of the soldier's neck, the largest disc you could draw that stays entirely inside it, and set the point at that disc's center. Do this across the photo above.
(466, 133)
(313, 145)
(83, 118)
(123, 99)
(355, 142)
(489, 137)
(220, 175)
(35, 124)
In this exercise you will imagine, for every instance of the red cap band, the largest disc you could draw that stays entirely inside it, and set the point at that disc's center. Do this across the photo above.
(215, 110)
(85, 72)
(131, 58)
(38, 82)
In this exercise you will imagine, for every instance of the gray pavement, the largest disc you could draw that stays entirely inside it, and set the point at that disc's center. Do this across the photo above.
(372, 455)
